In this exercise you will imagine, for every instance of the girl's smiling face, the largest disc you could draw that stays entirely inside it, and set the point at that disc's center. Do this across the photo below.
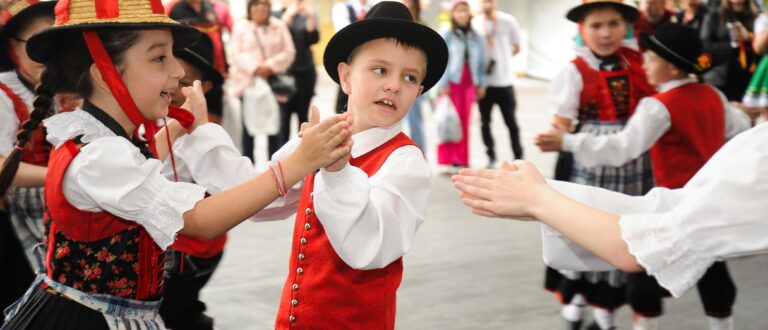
(151, 72)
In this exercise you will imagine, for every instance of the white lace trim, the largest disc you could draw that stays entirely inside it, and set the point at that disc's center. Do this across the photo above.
(163, 216)
(68, 125)
(664, 252)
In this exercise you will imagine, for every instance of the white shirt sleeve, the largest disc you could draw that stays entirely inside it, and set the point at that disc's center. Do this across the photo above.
(564, 92)
(340, 16)
(372, 222)
(8, 125)
(514, 31)
(649, 123)
(721, 215)
(110, 174)
(736, 121)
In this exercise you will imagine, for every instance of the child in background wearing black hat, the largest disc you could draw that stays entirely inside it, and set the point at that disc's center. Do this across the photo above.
(359, 216)
(110, 213)
(191, 261)
(21, 223)
(682, 126)
(597, 92)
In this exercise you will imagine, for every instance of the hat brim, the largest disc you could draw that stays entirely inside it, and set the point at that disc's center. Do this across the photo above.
(208, 70)
(15, 22)
(577, 13)
(40, 46)
(350, 37)
(648, 44)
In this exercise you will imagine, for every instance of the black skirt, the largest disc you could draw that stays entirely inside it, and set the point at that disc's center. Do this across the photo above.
(49, 311)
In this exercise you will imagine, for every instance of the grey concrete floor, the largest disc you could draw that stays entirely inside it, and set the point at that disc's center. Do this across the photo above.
(465, 271)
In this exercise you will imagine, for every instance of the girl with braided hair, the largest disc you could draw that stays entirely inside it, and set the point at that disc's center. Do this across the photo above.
(21, 227)
(110, 213)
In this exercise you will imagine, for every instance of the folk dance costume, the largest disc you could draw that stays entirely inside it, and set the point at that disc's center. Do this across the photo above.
(110, 213)
(682, 126)
(24, 205)
(601, 94)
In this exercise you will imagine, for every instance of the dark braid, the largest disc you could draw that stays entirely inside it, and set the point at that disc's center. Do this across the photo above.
(66, 72)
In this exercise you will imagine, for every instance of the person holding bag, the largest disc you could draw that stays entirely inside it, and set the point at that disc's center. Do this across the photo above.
(262, 47)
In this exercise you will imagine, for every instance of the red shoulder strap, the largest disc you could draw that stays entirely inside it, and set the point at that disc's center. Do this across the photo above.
(22, 112)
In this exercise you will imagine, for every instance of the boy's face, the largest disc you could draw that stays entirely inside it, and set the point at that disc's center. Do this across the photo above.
(603, 31)
(192, 74)
(382, 81)
(658, 70)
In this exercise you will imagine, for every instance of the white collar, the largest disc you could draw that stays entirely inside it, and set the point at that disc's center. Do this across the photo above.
(12, 81)
(674, 84)
(592, 60)
(66, 126)
(371, 138)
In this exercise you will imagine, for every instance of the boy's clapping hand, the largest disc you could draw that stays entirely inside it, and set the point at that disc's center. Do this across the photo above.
(337, 161)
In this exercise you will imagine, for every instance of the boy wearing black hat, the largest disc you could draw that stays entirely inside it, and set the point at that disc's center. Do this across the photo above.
(682, 125)
(359, 216)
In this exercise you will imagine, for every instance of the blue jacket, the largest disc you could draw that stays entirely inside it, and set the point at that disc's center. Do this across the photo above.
(456, 48)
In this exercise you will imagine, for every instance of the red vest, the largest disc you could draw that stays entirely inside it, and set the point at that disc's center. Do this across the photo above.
(697, 132)
(612, 95)
(96, 252)
(37, 149)
(323, 292)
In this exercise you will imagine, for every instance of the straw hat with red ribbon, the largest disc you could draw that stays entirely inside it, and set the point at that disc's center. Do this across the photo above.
(625, 7)
(88, 16)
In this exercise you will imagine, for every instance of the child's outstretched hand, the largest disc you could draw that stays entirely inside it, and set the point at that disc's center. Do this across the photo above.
(324, 142)
(514, 191)
(196, 103)
(551, 140)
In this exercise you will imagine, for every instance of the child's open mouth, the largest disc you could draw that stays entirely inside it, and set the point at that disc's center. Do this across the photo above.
(387, 104)
(167, 95)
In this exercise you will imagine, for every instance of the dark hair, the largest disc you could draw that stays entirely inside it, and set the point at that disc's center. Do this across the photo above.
(252, 3)
(455, 25)
(726, 12)
(67, 72)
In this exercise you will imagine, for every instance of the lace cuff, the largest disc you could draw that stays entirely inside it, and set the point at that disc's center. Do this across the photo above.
(664, 252)
(164, 215)
(68, 125)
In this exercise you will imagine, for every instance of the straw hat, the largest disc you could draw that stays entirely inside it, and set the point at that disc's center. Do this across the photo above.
(79, 15)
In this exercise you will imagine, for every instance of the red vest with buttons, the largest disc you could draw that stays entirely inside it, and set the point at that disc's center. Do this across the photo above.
(612, 95)
(697, 132)
(96, 252)
(323, 292)
(37, 149)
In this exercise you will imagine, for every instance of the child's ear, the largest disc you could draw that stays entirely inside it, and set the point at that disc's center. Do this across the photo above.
(344, 80)
(98, 80)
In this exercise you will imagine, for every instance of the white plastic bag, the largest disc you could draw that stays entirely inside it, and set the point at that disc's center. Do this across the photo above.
(261, 114)
(448, 122)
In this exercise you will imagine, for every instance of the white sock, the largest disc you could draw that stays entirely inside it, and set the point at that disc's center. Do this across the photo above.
(605, 319)
(645, 323)
(720, 323)
(574, 311)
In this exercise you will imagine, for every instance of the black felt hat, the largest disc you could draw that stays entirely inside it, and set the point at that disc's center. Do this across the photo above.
(388, 19)
(16, 16)
(576, 14)
(200, 55)
(97, 14)
(679, 45)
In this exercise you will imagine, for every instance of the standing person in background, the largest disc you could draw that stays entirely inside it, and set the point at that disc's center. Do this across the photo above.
(692, 14)
(201, 15)
(653, 14)
(343, 14)
(599, 88)
(503, 42)
(221, 8)
(302, 22)
(463, 81)
(755, 99)
(261, 46)
(727, 36)
(413, 118)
